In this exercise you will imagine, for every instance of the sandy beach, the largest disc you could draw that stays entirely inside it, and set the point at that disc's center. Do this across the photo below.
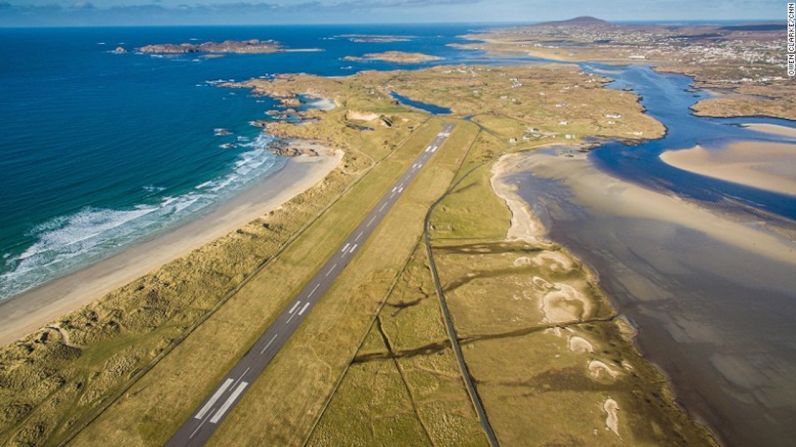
(33, 309)
(762, 165)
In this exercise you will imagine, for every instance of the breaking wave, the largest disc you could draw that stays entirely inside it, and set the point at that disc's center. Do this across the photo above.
(66, 243)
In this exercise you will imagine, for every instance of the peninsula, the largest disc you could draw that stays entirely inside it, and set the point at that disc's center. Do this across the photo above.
(741, 65)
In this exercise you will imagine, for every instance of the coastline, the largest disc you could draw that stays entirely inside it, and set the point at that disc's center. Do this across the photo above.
(530, 227)
(35, 308)
(664, 237)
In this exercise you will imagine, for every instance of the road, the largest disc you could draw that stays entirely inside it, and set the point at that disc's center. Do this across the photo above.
(205, 419)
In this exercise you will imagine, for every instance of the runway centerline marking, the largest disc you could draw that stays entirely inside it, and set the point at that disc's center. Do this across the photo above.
(241, 376)
(313, 291)
(268, 344)
(199, 427)
(331, 269)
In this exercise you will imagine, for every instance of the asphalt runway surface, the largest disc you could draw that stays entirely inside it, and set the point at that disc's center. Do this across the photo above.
(205, 419)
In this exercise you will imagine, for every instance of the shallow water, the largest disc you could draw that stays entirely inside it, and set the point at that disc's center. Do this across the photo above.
(717, 318)
(668, 98)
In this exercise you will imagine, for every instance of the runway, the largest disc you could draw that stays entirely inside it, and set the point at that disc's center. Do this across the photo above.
(205, 419)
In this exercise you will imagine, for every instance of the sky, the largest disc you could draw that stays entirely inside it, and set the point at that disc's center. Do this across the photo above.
(219, 12)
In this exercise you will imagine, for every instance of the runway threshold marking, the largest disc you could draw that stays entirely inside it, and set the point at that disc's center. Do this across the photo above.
(213, 399)
(228, 403)
(295, 305)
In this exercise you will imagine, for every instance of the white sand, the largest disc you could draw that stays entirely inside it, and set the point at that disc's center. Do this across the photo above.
(524, 225)
(32, 310)
(580, 345)
(769, 166)
(555, 261)
(611, 409)
(565, 303)
(597, 368)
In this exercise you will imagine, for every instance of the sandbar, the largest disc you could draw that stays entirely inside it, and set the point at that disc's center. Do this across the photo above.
(772, 129)
(762, 165)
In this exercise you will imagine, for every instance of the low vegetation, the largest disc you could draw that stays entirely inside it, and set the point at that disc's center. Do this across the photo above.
(742, 66)
(373, 352)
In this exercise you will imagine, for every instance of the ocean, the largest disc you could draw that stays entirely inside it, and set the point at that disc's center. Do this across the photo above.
(101, 150)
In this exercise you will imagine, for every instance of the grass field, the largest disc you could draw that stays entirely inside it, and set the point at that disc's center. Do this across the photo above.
(372, 364)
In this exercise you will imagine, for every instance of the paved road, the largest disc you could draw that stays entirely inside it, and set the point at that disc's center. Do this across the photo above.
(204, 421)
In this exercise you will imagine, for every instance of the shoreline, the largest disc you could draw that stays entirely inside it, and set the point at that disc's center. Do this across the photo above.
(35, 308)
(527, 226)
(637, 290)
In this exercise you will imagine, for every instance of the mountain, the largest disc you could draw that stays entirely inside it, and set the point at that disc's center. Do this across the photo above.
(578, 21)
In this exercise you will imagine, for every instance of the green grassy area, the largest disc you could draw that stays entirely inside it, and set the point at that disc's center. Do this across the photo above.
(49, 390)
(403, 387)
(161, 400)
(540, 338)
(156, 348)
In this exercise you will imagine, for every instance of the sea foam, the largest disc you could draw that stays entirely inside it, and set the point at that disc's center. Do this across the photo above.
(67, 243)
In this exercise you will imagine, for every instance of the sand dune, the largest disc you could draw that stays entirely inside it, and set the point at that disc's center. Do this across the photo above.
(34, 309)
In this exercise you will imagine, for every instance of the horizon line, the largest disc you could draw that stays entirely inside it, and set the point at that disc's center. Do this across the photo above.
(484, 23)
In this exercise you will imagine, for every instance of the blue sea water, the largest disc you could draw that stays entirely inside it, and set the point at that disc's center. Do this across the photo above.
(99, 150)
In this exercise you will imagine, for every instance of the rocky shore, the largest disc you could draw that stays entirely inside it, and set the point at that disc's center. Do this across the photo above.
(253, 46)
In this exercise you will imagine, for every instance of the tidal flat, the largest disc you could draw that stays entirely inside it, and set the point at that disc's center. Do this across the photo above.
(712, 294)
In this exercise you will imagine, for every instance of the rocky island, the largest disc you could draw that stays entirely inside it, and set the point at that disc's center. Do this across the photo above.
(398, 57)
(375, 38)
(252, 46)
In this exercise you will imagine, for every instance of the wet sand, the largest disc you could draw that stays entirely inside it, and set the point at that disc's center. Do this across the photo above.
(713, 296)
(35, 308)
(772, 129)
(762, 165)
